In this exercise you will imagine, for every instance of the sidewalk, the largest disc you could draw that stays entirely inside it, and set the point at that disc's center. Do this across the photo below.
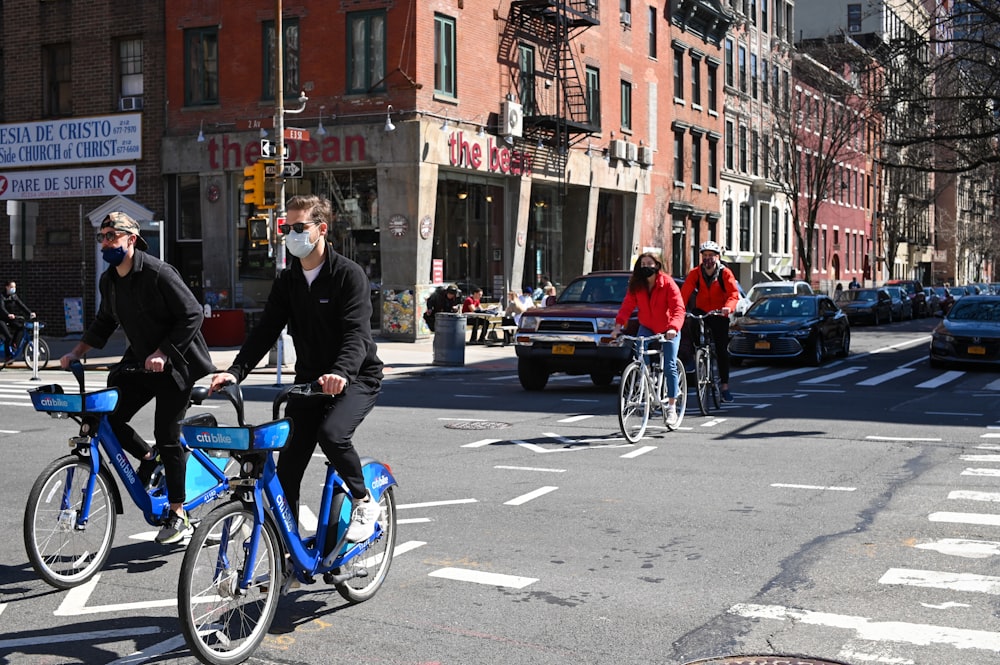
(400, 358)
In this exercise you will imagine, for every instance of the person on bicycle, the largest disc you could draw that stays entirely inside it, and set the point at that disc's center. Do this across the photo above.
(324, 299)
(162, 320)
(10, 306)
(661, 310)
(714, 288)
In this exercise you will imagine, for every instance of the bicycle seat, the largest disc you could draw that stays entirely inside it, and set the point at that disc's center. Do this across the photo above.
(199, 394)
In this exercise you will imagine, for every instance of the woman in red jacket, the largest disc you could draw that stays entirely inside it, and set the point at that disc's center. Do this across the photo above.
(661, 310)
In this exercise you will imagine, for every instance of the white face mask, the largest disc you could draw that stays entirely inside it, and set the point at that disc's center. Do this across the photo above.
(299, 245)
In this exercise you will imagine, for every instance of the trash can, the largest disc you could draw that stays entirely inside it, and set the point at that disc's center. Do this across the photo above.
(449, 339)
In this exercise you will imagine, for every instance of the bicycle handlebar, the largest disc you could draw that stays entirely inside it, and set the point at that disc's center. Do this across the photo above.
(296, 390)
(714, 312)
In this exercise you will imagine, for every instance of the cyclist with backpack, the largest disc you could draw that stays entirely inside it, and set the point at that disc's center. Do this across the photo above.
(713, 287)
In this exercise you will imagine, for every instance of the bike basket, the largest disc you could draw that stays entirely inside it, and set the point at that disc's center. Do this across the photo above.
(269, 436)
(52, 399)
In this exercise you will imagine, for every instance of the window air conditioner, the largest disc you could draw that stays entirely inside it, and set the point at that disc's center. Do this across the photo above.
(631, 152)
(617, 149)
(512, 119)
(645, 155)
(130, 104)
(626, 19)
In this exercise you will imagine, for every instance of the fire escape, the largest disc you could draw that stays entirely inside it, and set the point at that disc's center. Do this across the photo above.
(556, 111)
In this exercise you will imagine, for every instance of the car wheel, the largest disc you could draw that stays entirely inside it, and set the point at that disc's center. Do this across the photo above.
(532, 377)
(875, 318)
(845, 343)
(602, 378)
(816, 356)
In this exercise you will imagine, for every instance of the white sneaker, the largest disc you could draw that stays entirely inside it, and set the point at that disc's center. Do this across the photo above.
(671, 415)
(362, 526)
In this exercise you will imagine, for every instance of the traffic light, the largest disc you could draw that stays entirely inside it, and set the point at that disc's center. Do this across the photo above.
(253, 184)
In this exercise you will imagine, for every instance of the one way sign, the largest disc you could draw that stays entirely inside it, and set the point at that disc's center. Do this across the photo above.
(269, 149)
(292, 170)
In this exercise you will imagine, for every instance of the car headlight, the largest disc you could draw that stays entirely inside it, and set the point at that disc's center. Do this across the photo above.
(801, 332)
(605, 324)
(529, 323)
(943, 338)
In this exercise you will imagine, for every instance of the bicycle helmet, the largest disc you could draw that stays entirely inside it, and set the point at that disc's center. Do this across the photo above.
(710, 246)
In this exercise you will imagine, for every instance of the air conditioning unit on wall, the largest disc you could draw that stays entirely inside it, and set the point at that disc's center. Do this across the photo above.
(645, 155)
(626, 19)
(130, 104)
(617, 149)
(631, 152)
(512, 119)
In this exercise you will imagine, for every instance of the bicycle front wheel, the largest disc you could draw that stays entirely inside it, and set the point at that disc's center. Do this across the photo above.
(43, 353)
(703, 375)
(372, 564)
(681, 404)
(62, 550)
(633, 403)
(222, 623)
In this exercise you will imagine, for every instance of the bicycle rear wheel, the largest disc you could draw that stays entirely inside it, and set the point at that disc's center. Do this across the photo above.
(64, 553)
(703, 376)
(374, 562)
(633, 403)
(43, 353)
(681, 404)
(222, 623)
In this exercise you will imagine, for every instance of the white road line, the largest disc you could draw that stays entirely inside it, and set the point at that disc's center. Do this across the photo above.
(158, 649)
(714, 421)
(980, 458)
(969, 549)
(89, 636)
(832, 488)
(529, 468)
(408, 546)
(745, 371)
(936, 579)
(983, 519)
(482, 577)
(882, 378)
(434, 504)
(903, 345)
(414, 520)
(762, 406)
(574, 419)
(780, 375)
(849, 654)
(9, 431)
(525, 498)
(76, 599)
(969, 495)
(993, 385)
(638, 451)
(989, 436)
(901, 438)
(481, 443)
(15, 404)
(938, 381)
(868, 629)
(982, 472)
(826, 378)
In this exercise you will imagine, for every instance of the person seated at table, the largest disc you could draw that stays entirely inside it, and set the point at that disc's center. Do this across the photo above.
(517, 305)
(480, 325)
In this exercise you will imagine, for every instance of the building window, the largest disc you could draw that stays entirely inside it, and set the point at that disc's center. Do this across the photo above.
(713, 88)
(713, 164)
(763, 16)
(753, 75)
(626, 105)
(743, 149)
(764, 82)
(776, 89)
(786, 236)
(526, 79)
(130, 68)
(58, 80)
(445, 75)
(730, 139)
(201, 66)
(729, 62)
(696, 159)
(775, 235)
(729, 223)
(786, 89)
(678, 74)
(593, 96)
(744, 227)
(678, 157)
(765, 144)
(695, 82)
(743, 68)
(291, 81)
(652, 32)
(752, 12)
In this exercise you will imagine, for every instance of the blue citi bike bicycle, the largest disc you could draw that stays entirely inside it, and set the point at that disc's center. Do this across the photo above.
(72, 508)
(248, 552)
(23, 346)
(643, 387)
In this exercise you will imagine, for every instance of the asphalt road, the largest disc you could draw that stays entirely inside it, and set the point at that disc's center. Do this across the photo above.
(845, 512)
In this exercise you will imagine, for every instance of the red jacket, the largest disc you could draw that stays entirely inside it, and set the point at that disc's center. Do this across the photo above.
(724, 291)
(660, 310)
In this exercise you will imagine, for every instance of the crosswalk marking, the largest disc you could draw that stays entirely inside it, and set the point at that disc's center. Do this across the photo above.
(970, 495)
(882, 378)
(965, 518)
(826, 378)
(941, 379)
(936, 579)
(970, 549)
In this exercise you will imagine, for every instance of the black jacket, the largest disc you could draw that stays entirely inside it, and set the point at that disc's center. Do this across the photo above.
(329, 321)
(156, 310)
(13, 305)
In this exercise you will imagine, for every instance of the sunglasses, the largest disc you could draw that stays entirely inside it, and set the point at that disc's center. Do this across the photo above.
(298, 227)
(109, 236)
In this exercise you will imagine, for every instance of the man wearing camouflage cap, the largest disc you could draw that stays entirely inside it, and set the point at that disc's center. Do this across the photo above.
(162, 321)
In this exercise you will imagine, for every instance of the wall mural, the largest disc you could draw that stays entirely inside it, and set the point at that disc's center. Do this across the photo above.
(399, 313)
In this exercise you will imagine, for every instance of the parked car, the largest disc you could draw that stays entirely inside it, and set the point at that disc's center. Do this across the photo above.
(810, 327)
(902, 306)
(918, 299)
(871, 305)
(761, 289)
(939, 299)
(574, 334)
(969, 334)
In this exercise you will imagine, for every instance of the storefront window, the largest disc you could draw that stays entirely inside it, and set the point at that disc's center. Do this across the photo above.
(468, 235)
(544, 247)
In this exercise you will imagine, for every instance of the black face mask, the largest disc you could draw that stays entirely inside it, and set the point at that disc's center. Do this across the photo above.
(647, 271)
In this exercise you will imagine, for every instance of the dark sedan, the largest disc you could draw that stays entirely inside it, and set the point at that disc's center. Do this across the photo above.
(790, 326)
(871, 305)
(969, 334)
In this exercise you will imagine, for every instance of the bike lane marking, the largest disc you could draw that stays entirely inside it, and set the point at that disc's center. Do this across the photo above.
(88, 636)
(482, 577)
(573, 419)
(525, 498)
(76, 599)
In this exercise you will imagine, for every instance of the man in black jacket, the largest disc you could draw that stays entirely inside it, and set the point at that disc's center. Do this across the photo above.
(324, 299)
(162, 321)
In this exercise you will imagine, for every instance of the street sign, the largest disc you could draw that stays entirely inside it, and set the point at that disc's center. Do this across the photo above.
(292, 170)
(255, 124)
(293, 134)
(270, 149)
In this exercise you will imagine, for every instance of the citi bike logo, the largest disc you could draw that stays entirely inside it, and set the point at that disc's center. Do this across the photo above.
(381, 481)
(209, 437)
(54, 401)
(286, 514)
(126, 467)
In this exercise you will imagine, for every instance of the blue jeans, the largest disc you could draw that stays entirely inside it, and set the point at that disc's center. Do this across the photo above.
(669, 351)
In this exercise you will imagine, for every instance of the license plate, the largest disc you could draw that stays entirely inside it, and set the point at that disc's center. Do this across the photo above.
(765, 345)
(977, 350)
(563, 349)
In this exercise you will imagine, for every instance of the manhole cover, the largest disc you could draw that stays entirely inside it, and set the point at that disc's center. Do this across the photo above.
(477, 424)
(765, 660)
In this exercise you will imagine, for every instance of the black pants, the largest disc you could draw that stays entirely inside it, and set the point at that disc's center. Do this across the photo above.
(136, 390)
(718, 326)
(477, 325)
(331, 423)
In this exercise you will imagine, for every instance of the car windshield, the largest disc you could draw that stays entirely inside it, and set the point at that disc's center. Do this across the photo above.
(982, 310)
(760, 291)
(603, 289)
(895, 291)
(779, 308)
(864, 295)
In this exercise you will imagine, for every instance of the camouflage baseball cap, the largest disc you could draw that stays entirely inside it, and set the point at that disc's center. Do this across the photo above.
(121, 222)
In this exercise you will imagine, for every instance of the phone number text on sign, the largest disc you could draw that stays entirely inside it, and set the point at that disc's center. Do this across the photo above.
(111, 138)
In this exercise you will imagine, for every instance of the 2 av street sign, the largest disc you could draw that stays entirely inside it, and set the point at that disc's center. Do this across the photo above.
(292, 170)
